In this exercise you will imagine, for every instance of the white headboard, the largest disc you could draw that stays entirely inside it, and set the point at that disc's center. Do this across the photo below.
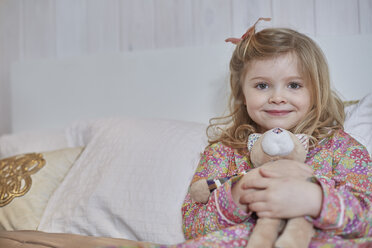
(181, 83)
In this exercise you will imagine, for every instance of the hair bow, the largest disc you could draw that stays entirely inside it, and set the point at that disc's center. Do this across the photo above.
(249, 32)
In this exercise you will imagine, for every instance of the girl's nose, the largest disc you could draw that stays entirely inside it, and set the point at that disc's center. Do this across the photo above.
(277, 98)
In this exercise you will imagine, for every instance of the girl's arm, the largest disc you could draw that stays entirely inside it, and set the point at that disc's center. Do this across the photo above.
(220, 211)
(343, 170)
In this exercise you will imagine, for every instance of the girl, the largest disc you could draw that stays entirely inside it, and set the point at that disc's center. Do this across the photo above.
(280, 78)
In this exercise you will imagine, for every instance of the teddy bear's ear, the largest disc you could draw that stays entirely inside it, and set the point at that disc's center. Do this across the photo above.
(252, 139)
(304, 139)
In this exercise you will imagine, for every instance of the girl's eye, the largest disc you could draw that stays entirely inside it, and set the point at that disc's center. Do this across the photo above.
(294, 85)
(262, 86)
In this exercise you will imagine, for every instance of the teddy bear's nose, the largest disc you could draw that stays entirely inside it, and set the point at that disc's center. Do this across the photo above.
(277, 130)
(277, 143)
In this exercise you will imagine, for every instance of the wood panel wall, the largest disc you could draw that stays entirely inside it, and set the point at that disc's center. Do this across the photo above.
(32, 29)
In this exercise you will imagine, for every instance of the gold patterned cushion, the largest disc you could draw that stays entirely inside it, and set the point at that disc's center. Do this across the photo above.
(26, 183)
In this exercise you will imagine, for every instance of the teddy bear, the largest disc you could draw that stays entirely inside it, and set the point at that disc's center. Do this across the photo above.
(272, 145)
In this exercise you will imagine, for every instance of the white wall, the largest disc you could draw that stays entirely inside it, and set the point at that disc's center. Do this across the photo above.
(32, 29)
(53, 93)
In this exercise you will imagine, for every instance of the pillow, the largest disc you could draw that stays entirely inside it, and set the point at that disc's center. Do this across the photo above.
(358, 121)
(131, 179)
(32, 141)
(40, 173)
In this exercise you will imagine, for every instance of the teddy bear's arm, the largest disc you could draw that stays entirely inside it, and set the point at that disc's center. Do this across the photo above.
(201, 189)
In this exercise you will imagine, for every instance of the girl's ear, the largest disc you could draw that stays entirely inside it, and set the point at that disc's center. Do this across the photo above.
(252, 138)
(304, 139)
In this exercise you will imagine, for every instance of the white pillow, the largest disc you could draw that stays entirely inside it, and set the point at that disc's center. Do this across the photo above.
(358, 122)
(33, 141)
(129, 182)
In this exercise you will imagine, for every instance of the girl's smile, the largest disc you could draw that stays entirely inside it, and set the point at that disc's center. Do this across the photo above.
(278, 112)
(276, 94)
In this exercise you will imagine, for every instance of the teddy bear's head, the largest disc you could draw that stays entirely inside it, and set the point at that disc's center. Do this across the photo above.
(277, 143)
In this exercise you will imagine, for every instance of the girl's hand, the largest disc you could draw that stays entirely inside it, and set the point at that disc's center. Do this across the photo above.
(238, 191)
(286, 168)
(279, 189)
(282, 196)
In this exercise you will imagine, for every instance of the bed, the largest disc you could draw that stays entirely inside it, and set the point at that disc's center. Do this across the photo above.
(112, 140)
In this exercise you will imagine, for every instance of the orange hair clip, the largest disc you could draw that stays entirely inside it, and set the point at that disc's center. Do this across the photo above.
(249, 32)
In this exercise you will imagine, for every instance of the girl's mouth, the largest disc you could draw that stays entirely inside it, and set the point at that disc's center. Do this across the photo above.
(278, 112)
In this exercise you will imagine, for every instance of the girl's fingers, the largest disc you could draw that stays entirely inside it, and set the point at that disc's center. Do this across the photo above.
(252, 196)
(264, 214)
(258, 183)
(268, 173)
(258, 207)
(285, 168)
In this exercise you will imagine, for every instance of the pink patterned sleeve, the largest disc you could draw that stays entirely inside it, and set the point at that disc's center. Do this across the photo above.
(344, 173)
(220, 211)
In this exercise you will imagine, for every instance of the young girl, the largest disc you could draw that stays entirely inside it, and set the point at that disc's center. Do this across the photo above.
(280, 78)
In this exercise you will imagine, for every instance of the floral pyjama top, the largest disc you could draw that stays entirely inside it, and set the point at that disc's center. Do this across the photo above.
(342, 167)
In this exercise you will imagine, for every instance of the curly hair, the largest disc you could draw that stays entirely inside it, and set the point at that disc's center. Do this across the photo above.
(327, 110)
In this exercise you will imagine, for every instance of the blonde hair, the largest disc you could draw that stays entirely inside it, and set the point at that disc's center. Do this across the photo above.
(327, 112)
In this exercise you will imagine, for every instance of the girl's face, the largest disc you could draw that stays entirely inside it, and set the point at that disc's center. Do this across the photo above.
(276, 94)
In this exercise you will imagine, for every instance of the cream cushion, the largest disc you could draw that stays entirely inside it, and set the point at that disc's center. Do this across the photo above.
(24, 212)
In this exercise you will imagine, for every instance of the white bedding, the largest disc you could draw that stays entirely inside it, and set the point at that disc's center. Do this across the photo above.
(32, 141)
(358, 121)
(130, 180)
